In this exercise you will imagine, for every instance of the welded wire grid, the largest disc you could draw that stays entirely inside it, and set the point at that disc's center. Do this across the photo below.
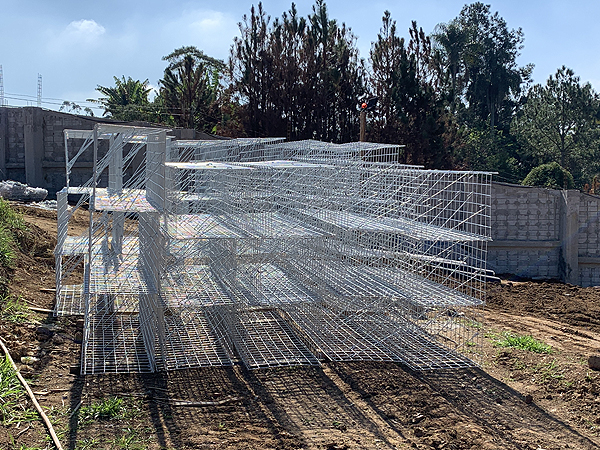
(203, 253)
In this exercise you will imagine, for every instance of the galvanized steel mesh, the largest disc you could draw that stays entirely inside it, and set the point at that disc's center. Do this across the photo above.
(271, 253)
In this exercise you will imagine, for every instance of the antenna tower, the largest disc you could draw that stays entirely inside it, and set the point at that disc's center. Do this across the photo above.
(1, 86)
(39, 91)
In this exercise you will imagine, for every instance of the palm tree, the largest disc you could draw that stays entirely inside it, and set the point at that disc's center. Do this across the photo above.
(127, 100)
(189, 86)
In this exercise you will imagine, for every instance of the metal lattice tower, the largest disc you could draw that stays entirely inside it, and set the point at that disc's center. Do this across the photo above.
(39, 91)
(272, 253)
(1, 86)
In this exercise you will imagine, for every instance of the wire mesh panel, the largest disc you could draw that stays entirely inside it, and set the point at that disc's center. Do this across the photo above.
(203, 253)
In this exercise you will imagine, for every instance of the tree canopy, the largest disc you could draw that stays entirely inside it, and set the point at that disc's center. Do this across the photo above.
(550, 175)
(455, 97)
(559, 122)
(127, 100)
(189, 88)
(297, 77)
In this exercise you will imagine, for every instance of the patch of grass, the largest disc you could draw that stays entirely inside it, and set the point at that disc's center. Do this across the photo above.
(110, 408)
(12, 229)
(107, 409)
(471, 323)
(86, 444)
(130, 440)
(529, 343)
(22, 447)
(10, 218)
(12, 397)
(548, 371)
(13, 309)
(519, 365)
(7, 247)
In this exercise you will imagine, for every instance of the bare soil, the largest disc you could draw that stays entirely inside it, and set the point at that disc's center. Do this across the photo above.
(516, 400)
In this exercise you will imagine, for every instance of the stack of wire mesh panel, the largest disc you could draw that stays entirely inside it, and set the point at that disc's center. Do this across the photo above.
(267, 252)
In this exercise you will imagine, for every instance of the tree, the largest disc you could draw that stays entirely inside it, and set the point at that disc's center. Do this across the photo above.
(559, 122)
(297, 77)
(189, 87)
(250, 65)
(127, 100)
(386, 56)
(74, 108)
(411, 111)
(450, 41)
(478, 53)
(286, 41)
(334, 79)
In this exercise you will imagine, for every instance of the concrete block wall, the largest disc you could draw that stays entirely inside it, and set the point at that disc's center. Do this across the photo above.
(32, 147)
(525, 232)
(545, 233)
(589, 240)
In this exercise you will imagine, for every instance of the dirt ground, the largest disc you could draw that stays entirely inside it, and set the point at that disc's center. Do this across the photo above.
(516, 400)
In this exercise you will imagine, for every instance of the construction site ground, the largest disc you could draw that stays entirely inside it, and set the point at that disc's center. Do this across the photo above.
(516, 400)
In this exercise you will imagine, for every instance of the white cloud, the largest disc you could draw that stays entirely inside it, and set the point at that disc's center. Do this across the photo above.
(86, 29)
(210, 31)
(81, 34)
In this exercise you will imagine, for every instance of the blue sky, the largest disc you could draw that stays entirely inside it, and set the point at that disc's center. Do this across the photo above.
(78, 44)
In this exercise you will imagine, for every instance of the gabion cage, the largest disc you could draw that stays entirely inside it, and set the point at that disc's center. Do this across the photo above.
(205, 253)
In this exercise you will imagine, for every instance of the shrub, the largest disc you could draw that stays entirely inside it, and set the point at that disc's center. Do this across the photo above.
(550, 175)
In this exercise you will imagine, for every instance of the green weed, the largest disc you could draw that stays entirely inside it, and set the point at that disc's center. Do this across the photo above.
(12, 397)
(519, 365)
(86, 444)
(509, 340)
(107, 409)
(13, 309)
(548, 371)
(12, 227)
(10, 218)
(471, 323)
(131, 440)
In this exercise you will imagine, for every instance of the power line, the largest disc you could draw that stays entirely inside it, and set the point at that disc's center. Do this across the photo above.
(94, 105)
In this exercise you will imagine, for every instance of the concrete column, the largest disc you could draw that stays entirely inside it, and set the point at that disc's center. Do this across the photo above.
(569, 237)
(34, 146)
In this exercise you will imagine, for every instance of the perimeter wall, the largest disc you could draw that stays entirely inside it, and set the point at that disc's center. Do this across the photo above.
(545, 233)
(32, 147)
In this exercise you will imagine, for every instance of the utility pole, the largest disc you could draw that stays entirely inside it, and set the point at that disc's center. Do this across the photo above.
(363, 124)
(367, 105)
